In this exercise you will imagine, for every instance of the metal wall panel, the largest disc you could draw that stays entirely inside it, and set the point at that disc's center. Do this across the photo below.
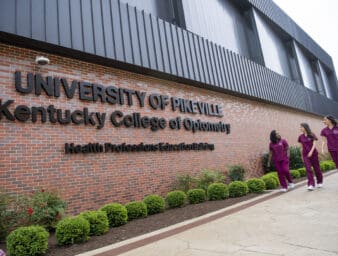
(133, 39)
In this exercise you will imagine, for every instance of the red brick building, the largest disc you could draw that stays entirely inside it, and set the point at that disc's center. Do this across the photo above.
(100, 128)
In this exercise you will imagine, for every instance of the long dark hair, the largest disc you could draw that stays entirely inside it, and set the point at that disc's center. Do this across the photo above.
(332, 120)
(308, 130)
(273, 137)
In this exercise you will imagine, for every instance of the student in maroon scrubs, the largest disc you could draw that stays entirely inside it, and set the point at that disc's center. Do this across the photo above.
(310, 156)
(279, 152)
(330, 132)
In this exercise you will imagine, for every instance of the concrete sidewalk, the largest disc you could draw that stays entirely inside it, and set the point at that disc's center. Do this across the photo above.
(298, 222)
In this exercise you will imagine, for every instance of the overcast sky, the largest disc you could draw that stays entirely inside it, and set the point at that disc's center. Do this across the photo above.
(319, 18)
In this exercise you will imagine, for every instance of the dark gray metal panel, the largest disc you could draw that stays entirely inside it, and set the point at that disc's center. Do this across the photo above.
(157, 44)
(142, 39)
(134, 35)
(76, 27)
(164, 46)
(51, 19)
(128, 53)
(8, 16)
(38, 23)
(183, 53)
(150, 41)
(98, 33)
(176, 51)
(194, 58)
(200, 45)
(63, 21)
(23, 14)
(117, 29)
(172, 62)
(216, 61)
(108, 31)
(208, 56)
(87, 26)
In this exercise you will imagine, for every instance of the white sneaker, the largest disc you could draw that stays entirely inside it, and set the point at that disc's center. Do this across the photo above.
(291, 185)
(283, 190)
(319, 185)
(310, 187)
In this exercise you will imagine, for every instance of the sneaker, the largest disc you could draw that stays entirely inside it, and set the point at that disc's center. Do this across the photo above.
(319, 185)
(291, 185)
(310, 187)
(283, 190)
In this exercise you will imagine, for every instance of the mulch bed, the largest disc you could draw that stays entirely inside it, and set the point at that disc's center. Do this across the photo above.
(142, 226)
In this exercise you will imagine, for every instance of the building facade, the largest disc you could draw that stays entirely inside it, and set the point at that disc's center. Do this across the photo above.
(138, 92)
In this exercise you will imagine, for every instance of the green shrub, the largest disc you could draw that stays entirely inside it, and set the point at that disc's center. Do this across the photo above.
(269, 181)
(256, 185)
(98, 222)
(116, 213)
(176, 199)
(295, 158)
(136, 210)
(238, 188)
(72, 230)
(155, 204)
(47, 209)
(302, 172)
(196, 196)
(217, 191)
(26, 241)
(274, 175)
(13, 213)
(295, 174)
(186, 182)
(209, 176)
(327, 165)
(236, 172)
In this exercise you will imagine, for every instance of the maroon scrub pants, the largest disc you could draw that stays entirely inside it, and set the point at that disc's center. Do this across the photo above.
(283, 172)
(334, 155)
(312, 161)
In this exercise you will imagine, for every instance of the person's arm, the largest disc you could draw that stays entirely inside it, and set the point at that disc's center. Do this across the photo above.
(301, 151)
(312, 149)
(323, 143)
(269, 158)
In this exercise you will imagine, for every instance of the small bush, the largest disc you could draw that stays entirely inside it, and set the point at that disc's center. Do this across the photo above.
(274, 175)
(72, 230)
(295, 158)
(98, 222)
(236, 172)
(295, 174)
(256, 185)
(136, 210)
(302, 172)
(217, 191)
(270, 181)
(209, 176)
(47, 209)
(26, 241)
(238, 188)
(327, 165)
(196, 196)
(13, 213)
(176, 199)
(116, 213)
(186, 182)
(155, 204)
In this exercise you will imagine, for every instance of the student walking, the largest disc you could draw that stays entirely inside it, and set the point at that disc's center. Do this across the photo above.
(330, 134)
(307, 141)
(279, 152)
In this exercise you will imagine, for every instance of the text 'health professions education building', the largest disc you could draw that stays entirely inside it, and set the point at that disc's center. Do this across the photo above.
(110, 100)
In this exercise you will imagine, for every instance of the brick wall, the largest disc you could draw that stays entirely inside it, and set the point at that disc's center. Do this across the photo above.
(32, 154)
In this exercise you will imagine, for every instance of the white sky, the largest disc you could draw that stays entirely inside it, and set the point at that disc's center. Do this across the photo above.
(319, 19)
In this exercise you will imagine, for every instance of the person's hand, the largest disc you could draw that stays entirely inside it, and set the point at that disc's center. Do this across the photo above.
(309, 155)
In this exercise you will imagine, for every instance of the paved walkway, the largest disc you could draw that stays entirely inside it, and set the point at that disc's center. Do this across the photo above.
(298, 222)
